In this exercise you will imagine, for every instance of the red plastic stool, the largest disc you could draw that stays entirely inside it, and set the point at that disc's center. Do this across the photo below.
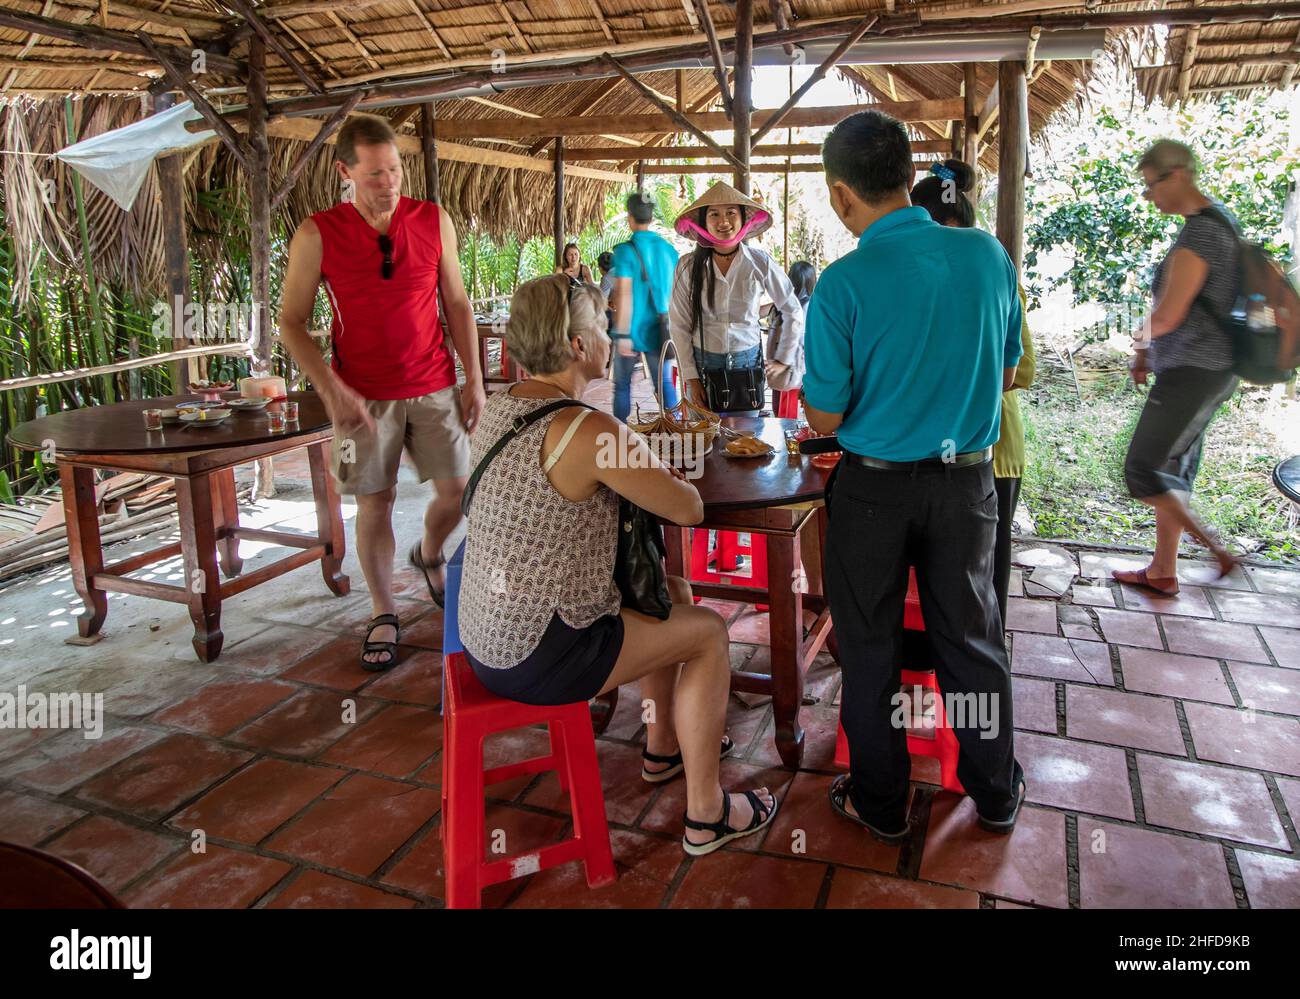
(471, 715)
(943, 746)
(723, 557)
(787, 404)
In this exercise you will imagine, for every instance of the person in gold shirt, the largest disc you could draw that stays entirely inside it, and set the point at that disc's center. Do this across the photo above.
(943, 195)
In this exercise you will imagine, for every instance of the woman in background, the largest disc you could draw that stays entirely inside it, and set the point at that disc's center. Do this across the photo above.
(573, 265)
(785, 363)
(943, 195)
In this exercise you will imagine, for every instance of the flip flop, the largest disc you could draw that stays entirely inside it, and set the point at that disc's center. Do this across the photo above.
(1166, 586)
(839, 793)
(416, 558)
(385, 647)
(675, 761)
(723, 833)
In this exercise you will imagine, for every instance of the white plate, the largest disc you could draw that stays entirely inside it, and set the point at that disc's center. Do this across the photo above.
(248, 403)
(213, 418)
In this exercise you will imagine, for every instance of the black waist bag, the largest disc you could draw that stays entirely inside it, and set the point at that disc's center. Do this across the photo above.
(639, 558)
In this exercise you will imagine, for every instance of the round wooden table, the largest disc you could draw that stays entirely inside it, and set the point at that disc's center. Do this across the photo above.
(1286, 476)
(201, 461)
(774, 500)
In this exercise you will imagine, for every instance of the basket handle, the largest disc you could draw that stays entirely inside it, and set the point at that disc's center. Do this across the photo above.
(659, 377)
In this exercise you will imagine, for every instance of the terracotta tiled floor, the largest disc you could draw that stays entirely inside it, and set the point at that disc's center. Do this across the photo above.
(1161, 740)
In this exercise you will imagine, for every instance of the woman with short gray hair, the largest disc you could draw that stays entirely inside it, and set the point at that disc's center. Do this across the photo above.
(1185, 345)
(540, 615)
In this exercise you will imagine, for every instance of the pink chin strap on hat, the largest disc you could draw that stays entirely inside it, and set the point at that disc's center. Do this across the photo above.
(693, 230)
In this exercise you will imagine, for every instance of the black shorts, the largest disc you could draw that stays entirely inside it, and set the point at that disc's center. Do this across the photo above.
(1165, 452)
(568, 665)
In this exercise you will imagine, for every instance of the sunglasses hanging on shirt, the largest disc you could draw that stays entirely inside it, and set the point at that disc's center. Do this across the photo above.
(386, 248)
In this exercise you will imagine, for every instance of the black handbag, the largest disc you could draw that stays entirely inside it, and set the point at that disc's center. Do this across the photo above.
(639, 559)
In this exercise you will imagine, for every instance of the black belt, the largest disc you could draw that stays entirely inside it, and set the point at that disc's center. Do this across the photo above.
(956, 461)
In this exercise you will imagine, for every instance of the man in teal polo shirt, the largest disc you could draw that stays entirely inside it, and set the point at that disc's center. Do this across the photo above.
(643, 281)
(911, 340)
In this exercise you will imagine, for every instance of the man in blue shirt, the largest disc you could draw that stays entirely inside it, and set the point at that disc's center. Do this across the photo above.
(643, 279)
(911, 340)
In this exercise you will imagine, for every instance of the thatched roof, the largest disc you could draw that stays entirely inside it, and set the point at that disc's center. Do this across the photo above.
(344, 43)
(1223, 58)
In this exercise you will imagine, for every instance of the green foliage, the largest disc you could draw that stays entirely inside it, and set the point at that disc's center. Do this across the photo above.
(1089, 201)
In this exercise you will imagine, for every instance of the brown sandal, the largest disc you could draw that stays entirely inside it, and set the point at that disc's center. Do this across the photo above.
(1165, 586)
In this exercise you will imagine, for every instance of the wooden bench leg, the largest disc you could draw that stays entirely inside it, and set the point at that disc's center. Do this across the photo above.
(329, 519)
(226, 512)
(199, 547)
(84, 549)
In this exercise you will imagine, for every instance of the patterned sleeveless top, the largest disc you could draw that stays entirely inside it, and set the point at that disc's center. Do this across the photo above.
(529, 552)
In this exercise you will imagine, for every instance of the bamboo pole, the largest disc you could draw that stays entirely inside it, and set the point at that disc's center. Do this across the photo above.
(429, 149)
(259, 228)
(559, 201)
(1013, 150)
(742, 106)
(176, 257)
(849, 41)
(715, 53)
(970, 115)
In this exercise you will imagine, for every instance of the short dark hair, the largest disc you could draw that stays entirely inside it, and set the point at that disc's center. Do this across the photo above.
(605, 261)
(640, 206)
(870, 152)
(362, 130)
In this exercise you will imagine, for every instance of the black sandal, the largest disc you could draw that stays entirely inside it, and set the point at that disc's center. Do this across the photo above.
(416, 558)
(839, 794)
(1009, 823)
(724, 833)
(386, 647)
(675, 761)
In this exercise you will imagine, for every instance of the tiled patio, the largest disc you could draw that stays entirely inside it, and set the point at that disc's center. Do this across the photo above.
(1161, 739)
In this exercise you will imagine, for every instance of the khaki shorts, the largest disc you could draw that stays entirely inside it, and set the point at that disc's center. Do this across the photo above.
(429, 427)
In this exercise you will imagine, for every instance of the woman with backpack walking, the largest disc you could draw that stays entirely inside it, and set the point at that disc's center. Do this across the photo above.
(1185, 345)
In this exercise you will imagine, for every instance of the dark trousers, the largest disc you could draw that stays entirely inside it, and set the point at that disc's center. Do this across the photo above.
(942, 522)
(1008, 496)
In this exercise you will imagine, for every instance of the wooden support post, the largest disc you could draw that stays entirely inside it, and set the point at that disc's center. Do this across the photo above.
(970, 121)
(259, 231)
(428, 119)
(559, 201)
(742, 106)
(176, 254)
(681, 89)
(1013, 151)
(640, 175)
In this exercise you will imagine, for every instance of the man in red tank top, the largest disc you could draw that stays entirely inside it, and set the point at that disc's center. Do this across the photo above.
(389, 266)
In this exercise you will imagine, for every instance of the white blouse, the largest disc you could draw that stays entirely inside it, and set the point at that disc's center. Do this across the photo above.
(732, 325)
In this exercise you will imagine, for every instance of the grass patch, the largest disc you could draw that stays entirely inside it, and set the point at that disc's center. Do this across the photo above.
(1074, 477)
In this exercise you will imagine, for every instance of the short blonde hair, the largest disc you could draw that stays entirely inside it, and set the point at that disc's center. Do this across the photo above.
(1166, 154)
(544, 316)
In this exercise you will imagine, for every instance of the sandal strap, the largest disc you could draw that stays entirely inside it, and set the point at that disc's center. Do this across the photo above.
(417, 558)
(380, 621)
(719, 828)
(656, 758)
(759, 809)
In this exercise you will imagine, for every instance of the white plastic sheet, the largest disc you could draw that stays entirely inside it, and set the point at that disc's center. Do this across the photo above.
(117, 162)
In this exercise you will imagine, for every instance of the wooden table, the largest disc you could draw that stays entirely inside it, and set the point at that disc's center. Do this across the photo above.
(1286, 476)
(777, 497)
(202, 462)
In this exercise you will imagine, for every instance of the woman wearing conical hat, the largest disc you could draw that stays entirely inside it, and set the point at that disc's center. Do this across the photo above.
(713, 317)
